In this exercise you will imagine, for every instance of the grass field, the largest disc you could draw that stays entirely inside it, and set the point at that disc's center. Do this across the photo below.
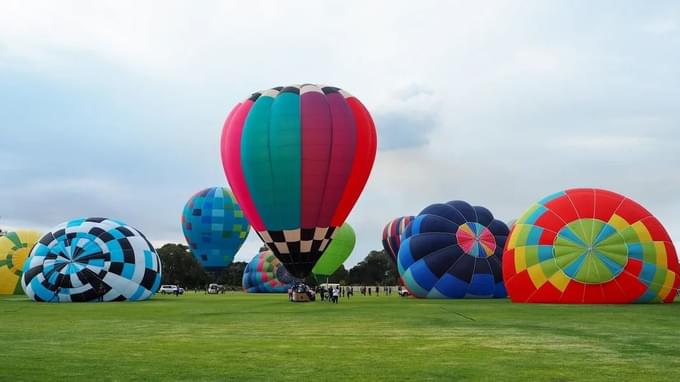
(244, 337)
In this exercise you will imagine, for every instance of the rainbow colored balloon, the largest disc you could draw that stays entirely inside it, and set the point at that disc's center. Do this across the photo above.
(265, 274)
(297, 158)
(589, 246)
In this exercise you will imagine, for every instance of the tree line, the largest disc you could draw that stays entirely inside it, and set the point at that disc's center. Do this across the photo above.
(181, 268)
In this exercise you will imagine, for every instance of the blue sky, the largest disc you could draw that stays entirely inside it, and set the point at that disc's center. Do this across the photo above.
(115, 108)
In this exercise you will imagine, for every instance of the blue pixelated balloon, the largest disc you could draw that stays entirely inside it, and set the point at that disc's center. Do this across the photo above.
(214, 227)
(453, 250)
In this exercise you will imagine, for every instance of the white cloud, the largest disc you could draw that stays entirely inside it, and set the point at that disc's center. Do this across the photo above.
(498, 103)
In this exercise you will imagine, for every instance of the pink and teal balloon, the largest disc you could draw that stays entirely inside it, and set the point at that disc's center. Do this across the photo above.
(297, 158)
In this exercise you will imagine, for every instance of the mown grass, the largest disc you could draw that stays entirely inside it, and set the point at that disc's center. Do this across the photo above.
(244, 337)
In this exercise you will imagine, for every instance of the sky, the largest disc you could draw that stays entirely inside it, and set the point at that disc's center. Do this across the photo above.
(115, 108)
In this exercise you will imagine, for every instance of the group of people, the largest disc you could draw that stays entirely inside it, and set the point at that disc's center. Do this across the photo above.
(366, 290)
(332, 293)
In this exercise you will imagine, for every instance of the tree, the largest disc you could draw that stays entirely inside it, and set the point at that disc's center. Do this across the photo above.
(180, 267)
(233, 275)
(376, 268)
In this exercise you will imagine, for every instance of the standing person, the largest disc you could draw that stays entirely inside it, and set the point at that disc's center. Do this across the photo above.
(336, 294)
(369, 290)
(177, 290)
(100, 290)
(342, 291)
(322, 291)
(377, 291)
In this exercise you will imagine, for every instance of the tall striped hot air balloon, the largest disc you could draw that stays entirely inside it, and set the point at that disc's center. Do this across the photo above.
(391, 236)
(297, 159)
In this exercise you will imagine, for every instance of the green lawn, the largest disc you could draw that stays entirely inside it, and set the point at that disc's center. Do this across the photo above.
(264, 337)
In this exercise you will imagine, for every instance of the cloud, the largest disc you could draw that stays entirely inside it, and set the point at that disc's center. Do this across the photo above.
(116, 107)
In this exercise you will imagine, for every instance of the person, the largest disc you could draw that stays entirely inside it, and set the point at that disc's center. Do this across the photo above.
(377, 291)
(336, 294)
(342, 291)
(322, 292)
(369, 291)
(100, 292)
(177, 291)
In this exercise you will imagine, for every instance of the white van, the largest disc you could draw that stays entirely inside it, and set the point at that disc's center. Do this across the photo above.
(168, 289)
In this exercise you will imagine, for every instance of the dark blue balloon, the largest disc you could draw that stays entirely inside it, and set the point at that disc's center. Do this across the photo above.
(453, 250)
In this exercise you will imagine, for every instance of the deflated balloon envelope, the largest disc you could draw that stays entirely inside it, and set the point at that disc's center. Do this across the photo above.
(590, 246)
(265, 274)
(453, 250)
(297, 159)
(214, 227)
(15, 246)
(92, 259)
(338, 251)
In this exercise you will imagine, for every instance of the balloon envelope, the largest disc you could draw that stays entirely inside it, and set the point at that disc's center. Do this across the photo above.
(391, 237)
(338, 251)
(214, 227)
(453, 250)
(15, 247)
(590, 246)
(297, 159)
(265, 274)
(89, 260)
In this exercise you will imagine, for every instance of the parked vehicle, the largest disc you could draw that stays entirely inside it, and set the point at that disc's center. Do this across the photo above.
(168, 289)
(215, 288)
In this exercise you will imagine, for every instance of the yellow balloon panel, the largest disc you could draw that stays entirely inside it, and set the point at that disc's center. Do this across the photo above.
(15, 247)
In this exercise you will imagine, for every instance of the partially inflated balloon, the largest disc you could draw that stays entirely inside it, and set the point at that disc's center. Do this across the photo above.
(453, 250)
(297, 159)
(93, 259)
(590, 246)
(214, 227)
(15, 246)
(336, 254)
(391, 237)
(265, 274)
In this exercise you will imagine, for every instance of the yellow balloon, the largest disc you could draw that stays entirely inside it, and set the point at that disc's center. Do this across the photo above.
(15, 247)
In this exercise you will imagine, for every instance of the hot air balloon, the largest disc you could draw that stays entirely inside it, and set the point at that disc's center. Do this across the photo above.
(297, 159)
(14, 249)
(265, 274)
(336, 254)
(391, 237)
(453, 250)
(93, 259)
(214, 227)
(590, 246)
